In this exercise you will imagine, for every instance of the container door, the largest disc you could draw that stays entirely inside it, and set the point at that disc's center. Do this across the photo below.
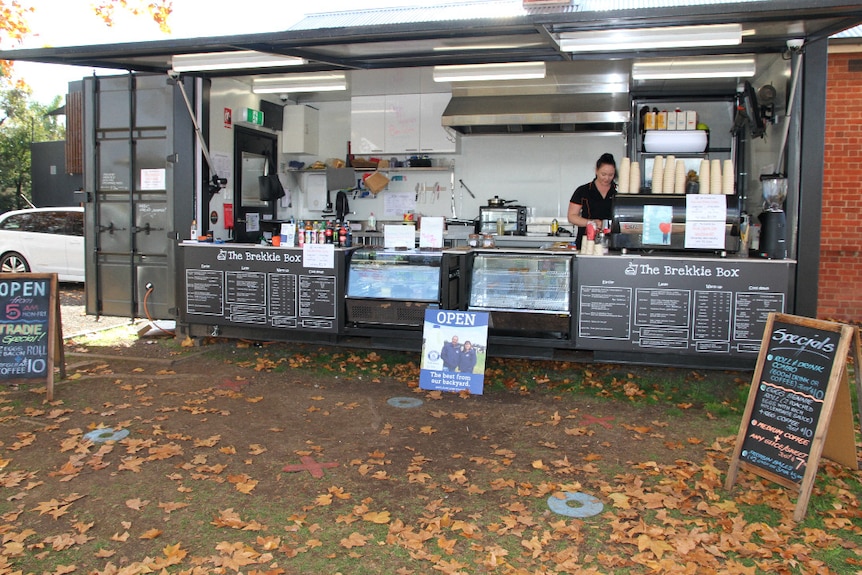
(252, 152)
(139, 190)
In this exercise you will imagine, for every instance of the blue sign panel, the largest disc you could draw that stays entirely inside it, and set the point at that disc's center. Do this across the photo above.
(454, 348)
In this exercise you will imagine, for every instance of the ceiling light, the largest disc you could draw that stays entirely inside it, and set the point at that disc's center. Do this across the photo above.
(231, 61)
(694, 67)
(496, 47)
(651, 38)
(314, 82)
(505, 71)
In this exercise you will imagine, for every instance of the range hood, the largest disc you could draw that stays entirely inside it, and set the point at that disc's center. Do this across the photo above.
(538, 113)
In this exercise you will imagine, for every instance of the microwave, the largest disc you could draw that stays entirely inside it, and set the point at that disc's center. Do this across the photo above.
(514, 220)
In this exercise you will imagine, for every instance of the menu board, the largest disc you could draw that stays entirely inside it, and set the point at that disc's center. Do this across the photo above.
(30, 328)
(788, 399)
(249, 285)
(699, 306)
(800, 369)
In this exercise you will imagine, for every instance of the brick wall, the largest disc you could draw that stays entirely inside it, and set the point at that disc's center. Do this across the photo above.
(840, 289)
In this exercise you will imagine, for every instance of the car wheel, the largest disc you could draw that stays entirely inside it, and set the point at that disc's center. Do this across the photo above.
(13, 263)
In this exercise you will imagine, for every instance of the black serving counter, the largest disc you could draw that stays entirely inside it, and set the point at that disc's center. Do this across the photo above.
(669, 309)
(261, 292)
(698, 311)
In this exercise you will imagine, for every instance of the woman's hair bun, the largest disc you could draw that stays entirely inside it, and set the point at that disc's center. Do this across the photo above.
(606, 158)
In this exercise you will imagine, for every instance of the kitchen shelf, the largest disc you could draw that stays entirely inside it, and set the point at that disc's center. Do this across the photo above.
(428, 169)
(323, 171)
(687, 154)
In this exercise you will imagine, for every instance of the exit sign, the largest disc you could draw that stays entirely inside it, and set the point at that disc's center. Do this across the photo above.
(252, 116)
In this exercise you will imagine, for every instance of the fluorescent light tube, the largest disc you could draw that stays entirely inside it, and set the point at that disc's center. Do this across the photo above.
(231, 61)
(314, 82)
(651, 38)
(504, 71)
(694, 67)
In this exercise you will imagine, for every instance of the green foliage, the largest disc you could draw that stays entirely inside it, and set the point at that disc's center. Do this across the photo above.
(22, 121)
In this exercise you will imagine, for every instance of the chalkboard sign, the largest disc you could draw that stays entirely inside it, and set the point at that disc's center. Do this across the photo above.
(30, 331)
(799, 373)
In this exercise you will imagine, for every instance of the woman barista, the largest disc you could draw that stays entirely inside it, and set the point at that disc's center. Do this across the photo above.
(592, 202)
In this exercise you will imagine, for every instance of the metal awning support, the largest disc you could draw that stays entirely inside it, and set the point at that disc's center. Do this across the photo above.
(216, 183)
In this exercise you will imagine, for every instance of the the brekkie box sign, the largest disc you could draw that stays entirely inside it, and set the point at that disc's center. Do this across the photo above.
(799, 405)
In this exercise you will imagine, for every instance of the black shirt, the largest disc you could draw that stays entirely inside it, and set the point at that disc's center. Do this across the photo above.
(593, 205)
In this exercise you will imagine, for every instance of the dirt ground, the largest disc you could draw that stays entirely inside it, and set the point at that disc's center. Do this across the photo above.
(150, 445)
(498, 415)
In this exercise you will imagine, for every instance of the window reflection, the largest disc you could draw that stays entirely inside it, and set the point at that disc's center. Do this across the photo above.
(253, 166)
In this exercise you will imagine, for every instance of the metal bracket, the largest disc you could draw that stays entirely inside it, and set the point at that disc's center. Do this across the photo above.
(110, 228)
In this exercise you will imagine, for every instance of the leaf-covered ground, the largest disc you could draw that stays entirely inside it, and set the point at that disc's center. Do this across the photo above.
(195, 470)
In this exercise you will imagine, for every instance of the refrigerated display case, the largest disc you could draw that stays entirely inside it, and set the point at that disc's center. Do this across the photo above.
(529, 291)
(395, 287)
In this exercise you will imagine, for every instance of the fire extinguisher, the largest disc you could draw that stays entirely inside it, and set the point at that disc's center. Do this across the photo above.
(228, 216)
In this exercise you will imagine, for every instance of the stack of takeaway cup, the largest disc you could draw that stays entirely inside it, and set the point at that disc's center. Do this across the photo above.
(635, 178)
(657, 174)
(624, 177)
(715, 177)
(703, 177)
(669, 175)
(679, 177)
(727, 178)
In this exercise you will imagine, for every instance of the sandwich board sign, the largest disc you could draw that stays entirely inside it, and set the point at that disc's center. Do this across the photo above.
(454, 349)
(31, 339)
(799, 405)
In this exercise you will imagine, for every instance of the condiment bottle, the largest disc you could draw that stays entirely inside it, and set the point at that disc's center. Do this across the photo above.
(372, 222)
(555, 227)
(501, 227)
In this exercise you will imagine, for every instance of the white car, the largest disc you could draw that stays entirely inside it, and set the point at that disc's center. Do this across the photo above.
(43, 240)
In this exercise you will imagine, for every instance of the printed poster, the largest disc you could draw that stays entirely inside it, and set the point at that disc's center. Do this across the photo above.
(454, 350)
(658, 224)
(705, 217)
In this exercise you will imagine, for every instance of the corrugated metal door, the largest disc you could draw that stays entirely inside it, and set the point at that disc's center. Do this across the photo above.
(139, 185)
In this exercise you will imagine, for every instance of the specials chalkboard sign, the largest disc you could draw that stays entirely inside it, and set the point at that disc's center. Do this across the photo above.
(30, 330)
(801, 370)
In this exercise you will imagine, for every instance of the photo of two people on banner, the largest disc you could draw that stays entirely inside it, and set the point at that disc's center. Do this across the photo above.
(457, 356)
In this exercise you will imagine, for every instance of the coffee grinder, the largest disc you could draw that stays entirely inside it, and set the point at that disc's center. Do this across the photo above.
(773, 220)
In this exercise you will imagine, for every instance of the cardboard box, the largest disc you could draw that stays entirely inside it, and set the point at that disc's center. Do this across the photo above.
(376, 182)
(691, 120)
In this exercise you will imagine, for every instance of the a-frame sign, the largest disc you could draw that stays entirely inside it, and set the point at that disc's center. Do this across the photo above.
(799, 405)
(31, 336)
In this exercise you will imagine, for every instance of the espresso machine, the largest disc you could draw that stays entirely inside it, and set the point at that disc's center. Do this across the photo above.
(773, 222)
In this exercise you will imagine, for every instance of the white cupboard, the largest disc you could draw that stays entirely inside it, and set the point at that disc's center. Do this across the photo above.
(367, 125)
(433, 137)
(399, 124)
(300, 130)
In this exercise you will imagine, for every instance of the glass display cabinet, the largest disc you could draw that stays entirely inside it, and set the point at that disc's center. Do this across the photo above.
(394, 287)
(523, 291)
